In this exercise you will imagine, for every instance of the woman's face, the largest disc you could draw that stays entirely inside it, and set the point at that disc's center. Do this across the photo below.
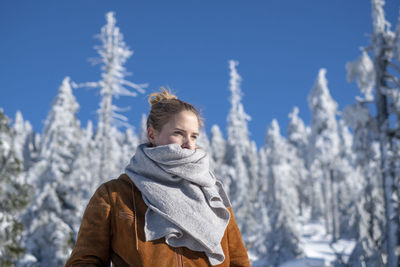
(181, 129)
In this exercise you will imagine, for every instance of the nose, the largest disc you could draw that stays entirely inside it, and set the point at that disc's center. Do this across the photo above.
(189, 144)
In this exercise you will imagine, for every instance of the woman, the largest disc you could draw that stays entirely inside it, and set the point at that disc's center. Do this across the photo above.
(168, 209)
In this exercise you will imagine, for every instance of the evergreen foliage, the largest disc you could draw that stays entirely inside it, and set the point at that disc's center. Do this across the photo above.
(49, 218)
(376, 136)
(14, 196)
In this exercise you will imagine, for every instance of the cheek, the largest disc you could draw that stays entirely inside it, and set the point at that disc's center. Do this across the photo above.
(175, 140)
(171, 140)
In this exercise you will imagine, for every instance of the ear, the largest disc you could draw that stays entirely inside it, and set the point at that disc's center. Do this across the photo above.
(151, 133)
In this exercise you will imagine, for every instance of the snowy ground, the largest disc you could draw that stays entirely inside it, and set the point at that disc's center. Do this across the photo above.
(317, 246)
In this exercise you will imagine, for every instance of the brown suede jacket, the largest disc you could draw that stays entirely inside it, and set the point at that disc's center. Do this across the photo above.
(112, 229)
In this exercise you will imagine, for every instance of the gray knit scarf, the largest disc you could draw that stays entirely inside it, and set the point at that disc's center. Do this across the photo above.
(186, 204)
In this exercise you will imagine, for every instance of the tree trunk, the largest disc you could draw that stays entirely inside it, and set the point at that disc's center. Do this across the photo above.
(104, 140)
(335, 209)
(385, 144)
(326, 194)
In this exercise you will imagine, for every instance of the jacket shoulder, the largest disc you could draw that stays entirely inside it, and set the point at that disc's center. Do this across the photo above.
(123, 181)
(120, 189)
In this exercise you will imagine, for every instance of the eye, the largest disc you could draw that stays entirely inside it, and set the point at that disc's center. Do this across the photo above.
(178, 133)
(194, 137)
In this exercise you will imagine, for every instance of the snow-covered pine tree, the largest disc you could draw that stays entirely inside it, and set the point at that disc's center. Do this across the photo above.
(25, 141)
(218, 144)
(129, 144)
(381, 75)
(298, 138)
(223, 171)
(282, 240)
(203, 141)
(49, 237)
(241, 154)
(298, 135)
(113, 54)
(14, 196)
(348, 187)
(368, 215)
(258, 243)
(387, 93)
(360, 119)
(324, 143)
(83, 180)
(59, 142)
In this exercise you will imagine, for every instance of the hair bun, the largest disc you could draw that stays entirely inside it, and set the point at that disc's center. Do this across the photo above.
(163, 95)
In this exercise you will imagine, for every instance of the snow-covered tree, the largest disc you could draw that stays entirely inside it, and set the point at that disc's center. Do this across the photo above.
(113, 54)
(387, 90)
(26, 142)
(223, 171)
(129, 144)
(218, 145)
(61, 130)
(348, 187)
(45, 220)
(241, 153)
(204, 142)
(368, 209)
(381, 74)
(297, 138)
(82, 181)
(324, 143)
(258, 242)
(238, 134)
(298, 134)
(14, 196)
(282, 241)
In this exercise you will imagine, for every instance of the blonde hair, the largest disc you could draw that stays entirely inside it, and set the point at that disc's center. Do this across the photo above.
(164, 105)
(157, 97)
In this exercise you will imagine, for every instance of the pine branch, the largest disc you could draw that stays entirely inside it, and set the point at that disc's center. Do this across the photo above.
(3, 166)
(393, 79)
(394, 66)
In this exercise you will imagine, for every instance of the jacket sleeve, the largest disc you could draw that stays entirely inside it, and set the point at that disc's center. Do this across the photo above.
(92, 246)
(237, 252)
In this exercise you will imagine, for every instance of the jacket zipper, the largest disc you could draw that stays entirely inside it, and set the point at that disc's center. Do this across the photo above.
(179, 257)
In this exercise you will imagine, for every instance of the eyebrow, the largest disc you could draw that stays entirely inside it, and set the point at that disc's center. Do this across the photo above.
(179, 129)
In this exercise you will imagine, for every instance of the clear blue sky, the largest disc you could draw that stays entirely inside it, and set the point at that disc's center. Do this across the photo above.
(186, 45)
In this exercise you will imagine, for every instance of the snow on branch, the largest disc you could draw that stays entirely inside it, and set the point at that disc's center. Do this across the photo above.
(363, 70)
(234, 83)
(113, 54)
(379, 23)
